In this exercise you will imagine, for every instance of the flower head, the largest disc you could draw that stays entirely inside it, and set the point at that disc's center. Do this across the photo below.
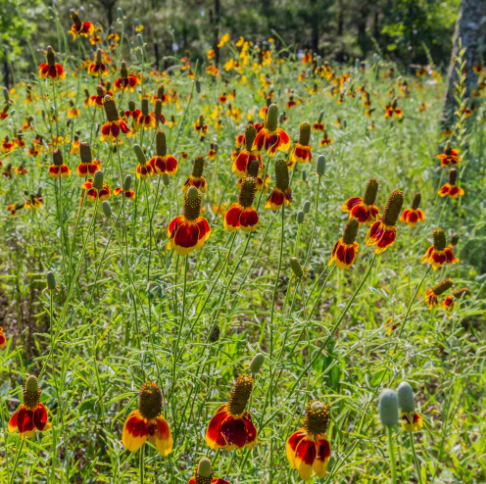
(96, 188)
(112, 128)
(51, 69)
(126, 81)
(31, 415)
(410, 419)
(364, 208)
(302, 151)
(282, 193)
(450, 189)
(148, 422)
(3, 339)
(411, 216)
(272, 138)
(196, 179)
(245, 156)
(86, 29)
(98, 68)
(308, 449)
(438, 253)
(242, 215)
(432, 294)
(346, 248)
(450, 156)
(58, 167)
(87, 166)
(162, 162)
(203, 474)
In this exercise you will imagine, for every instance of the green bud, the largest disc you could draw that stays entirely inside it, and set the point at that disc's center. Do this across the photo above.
(105, 205)
(204, 468)
(120, 13)
(296, 267)
(321, 165)
(300, 217)
(272, 118)
(98, 180)
(307, 206)
(406, 400)
(256, 363)
(127, 184)
(321, 117)
(165, 179)
(140, 40)
(198, 86)
(388, 408)
(51, 281)
(140, 155)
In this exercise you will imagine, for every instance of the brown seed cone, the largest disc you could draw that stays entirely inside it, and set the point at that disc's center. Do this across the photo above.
(31, 392)
(131, 106)
(197, 169)
(371, 191)
(99, 56)
(304, 134)
(158, 109)
(454, 239)
(50, 56)
(247, 191)
(150, 400)
(124, 70)
(160, 91)
(351, 231)
(317, 416)
(110, 109)
(442, 287)
(463, 291)
(85, 153)
(250, 135)
(281, 175)
(161, 143)
(439, 239)
(192, 204)
(240, 394)
(452, 176)
(203, 473)
(75, 18)
(57, 157)
(416, 201)
(253, 168)
(145, 107)
(393, 208)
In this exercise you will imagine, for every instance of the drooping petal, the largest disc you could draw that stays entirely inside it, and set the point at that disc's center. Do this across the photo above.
(135, 431)
(214, 437)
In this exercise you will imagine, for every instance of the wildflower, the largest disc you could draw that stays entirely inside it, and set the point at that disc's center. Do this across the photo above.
(302, 151)
(145, 119)
(157, 113)
(346, 248)
(450, 189)
(97, 99)
(201, 128)
(3, 339)
(271, 138)
(325, 141)
(73, 112)
(51, 69)
(308, 449)
(411, 216)
(391, 110)
(411, 420)
(75, 146)
(438, 253)
(87, 166)
(161, 96)
(111, 129)
(58, 168)
(31, 415)
(231, 426)
(203, 474)
(126, 82)
(196, 179)
(98, 68)
(126, 190)
(364, 208)
(388, 408)
(188, 231)
(282, 192)
(246, 156)
(7, 145)
(143, 169)
(432, 294)
(148, 422)
(96, 188)
(242, 215)
(449, 301)
(450, 156)
(86, 29)
(35, 200)
(213, 151)
(162, 162)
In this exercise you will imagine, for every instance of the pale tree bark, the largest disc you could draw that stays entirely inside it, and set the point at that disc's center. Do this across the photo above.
(469, 29)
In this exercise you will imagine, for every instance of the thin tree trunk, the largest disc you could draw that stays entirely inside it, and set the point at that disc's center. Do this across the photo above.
(315, 25)
(217, 8)
(467, 34)
(340, 22)
(6, 73)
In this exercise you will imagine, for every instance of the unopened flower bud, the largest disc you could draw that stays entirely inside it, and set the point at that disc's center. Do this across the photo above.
(257, 363)
(321, 165)
(51, 281)
(98, 180)
(307, 206)
(388, 408)
(105, 205)
(140, 40)
(198, 86)
(300, 217)
(272, 118)
(161, 143)
(406, 400)
(165, 179)
(296, 267)
(127, 183)
(140, 155)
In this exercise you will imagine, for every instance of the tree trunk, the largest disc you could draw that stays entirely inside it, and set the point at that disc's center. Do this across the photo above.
(217, 7)
(467, 34)
(361, 24)
(340, 22)
(6, 72)
(315, 25)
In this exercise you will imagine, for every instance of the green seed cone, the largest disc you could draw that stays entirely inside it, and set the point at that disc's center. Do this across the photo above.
(257, 363)
(439, 239)
(271, 122)
(51, 281)
(388, 408)
(406, 401)
(98, 180)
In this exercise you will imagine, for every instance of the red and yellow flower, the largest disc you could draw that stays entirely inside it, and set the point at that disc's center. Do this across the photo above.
(58, 167)
(244, 157)
(271, 138)
(438, 253)
(196, 179)
(308, 449)
(302, 151)
(3, 339)
(98, 68)
(450, 189)
(86, 29)
(411, 422)
(148, 422)
(112, 128)
(242, 215)
(411, 216)
(232, 426)
(145, 119)
(432, 294)
(31, 415)
(51, 69)
(282, 193)
(203, 474)
(363, 208)
(383, 233)
(162, 162)
(392, 110)
(126, 81)
(450, 156)
(102, 193)
(346, 248)
(189, 231)
(87, 166)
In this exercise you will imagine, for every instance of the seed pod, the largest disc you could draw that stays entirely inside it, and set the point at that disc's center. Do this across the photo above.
(192, 204)
(321, 165)
(317, 415)
(6, 96)
(145, 107)
(393, 208)
(371, 191)
(256, 363)
(120, 13)
(140, 155)
(51, 58)
(161, 143)
(131, 106)
(85, 153)
(165, 179)
(253, 168)
(127, 183)
(439, 239)
(31, 392)
(98, 180)
(240, 394)
(304, 175)
(452, 176)
(140, 40)
(272, 118)
(388, 408)
(204, 468)
(307, 206)
(304, 134)
(158, 110)
(321, 117)
(197, 169)
(247, 191)
(406, 400)
(57, 158)
(51, 281)
(281, 118)
(296, 267)
(150, 400)
(250, 135)
(454, 239)
(300, 217)
(215, 332)
(442, 286)
(111, 110)
(351, 230)
(105, 205)
(281, 175)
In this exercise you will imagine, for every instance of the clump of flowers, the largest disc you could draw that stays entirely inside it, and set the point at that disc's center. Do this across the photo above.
(432, 294)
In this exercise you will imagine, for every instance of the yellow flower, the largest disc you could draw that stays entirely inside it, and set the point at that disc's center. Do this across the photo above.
(224, 40)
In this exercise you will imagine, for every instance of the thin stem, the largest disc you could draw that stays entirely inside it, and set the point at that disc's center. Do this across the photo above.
(415, 460)
(392, 455)
(12, 476)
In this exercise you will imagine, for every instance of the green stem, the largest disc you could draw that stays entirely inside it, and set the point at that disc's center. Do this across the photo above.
(12, 476)
(415, 460)
(392, 455)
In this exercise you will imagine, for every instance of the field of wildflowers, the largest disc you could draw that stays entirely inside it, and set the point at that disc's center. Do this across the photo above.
(268, 271)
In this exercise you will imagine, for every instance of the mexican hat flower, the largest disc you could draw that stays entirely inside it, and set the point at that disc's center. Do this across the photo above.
(232, 426)
(3, 339)
(51, 69)
(87, 166)
(189, 231)
(364, 208)
(148, 422)
(302, 151)
(245, 156)
(432, 294)
(145, 120)
(449, 301)
(383, 233)
(411, 421)
(450, 189)
(143, 169)
(96, 188)
(126, 190)
(272, 138)
(126, 81)
(392, 110)
(242, 215)
(114, 125)
(196, 178)
(31, 415)
(58, 167)
(282, 193)
(346, 248)
(162, 162)
(203, 474)
(201, 128)
(86, 29)
(450, 156)
(308, 449)
(438, 253)
(98, 68)
(412, 215)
